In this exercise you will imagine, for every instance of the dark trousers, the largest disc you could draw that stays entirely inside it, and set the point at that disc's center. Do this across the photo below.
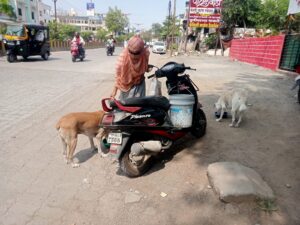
(81, 50)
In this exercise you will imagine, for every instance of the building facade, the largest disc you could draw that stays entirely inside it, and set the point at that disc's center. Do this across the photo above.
(31, 11)
(84, 23)
(44, 14)
(26, 10)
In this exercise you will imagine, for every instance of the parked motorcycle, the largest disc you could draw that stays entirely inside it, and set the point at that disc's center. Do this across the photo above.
(139, 128)
(109, 49)
(297, 84)
(76, 52)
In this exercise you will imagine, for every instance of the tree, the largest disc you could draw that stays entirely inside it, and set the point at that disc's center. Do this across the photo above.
(293, 23)
(147, 35)
(272, 15)
(168, 26)
(115, 20)
(242, 13)
(101, 34)
(64, 31)
(156, 30)
(7, 9)
(86, 35)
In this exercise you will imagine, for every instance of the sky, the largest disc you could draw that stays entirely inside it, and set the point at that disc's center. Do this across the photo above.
(142, 13)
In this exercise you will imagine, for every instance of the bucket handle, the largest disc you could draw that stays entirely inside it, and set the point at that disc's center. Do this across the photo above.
(176, 87)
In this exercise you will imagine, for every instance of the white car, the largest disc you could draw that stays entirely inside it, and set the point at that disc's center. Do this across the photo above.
(159, 47)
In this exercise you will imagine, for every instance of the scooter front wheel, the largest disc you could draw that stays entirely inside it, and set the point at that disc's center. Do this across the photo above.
(135, 166)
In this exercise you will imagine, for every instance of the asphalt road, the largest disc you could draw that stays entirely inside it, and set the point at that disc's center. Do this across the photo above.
(38, 188)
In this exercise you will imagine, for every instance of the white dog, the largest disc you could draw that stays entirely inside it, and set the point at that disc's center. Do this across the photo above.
(237, 100)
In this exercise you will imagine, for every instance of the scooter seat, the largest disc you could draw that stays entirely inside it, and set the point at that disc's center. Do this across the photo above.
(151, 101)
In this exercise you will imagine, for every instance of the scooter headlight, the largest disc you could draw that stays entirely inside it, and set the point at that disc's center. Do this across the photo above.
(18, 43)
(4, 41)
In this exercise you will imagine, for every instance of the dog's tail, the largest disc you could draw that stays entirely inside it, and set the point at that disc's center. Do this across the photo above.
(57, 126)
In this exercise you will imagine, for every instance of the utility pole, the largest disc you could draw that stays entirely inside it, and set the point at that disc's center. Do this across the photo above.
(55, 20)
(173, 27)
(169, 23)
(187, 27)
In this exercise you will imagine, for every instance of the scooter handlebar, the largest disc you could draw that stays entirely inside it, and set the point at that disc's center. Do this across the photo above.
(151, 76)
(189, 68)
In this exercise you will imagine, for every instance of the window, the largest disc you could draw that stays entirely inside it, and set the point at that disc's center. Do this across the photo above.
(20, 11)
(41, 13)
(32, 15)
(39, 36)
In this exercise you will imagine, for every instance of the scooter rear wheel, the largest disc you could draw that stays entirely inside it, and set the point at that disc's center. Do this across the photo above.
(133, 168)
(199, 126)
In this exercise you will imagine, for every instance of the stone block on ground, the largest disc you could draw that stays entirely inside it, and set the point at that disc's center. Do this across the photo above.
(234, 182)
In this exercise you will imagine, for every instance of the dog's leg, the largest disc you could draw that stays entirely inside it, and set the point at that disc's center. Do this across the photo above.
(221, 115)
(233, 113)
(64, 144)
(92, 144)
(72, 146)
(240, 119)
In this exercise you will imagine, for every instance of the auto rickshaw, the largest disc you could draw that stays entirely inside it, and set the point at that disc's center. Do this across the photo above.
(26, 40)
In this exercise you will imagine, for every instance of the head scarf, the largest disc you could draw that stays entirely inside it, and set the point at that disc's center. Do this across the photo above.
(132, 64)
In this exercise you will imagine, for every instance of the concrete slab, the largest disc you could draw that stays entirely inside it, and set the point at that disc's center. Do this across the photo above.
(234, 182)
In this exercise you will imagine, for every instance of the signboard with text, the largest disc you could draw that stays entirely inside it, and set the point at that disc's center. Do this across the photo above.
(294, 7)
(205, 13)
(90, 7)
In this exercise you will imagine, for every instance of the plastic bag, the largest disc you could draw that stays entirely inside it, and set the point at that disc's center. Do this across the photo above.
(155, 87)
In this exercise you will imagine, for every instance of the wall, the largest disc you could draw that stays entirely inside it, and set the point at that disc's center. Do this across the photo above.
(265, 52)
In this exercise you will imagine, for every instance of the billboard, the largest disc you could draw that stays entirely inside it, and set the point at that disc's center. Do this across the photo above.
(205, 13)
(90, 7)
(294, 7)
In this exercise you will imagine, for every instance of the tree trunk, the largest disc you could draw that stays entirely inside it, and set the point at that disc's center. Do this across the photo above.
(244, 23)
(196, 41)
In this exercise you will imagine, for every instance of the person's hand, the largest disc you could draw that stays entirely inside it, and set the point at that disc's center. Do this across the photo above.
(150, 67)
(114, 92)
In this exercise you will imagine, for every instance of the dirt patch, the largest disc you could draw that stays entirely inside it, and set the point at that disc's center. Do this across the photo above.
(267, 141)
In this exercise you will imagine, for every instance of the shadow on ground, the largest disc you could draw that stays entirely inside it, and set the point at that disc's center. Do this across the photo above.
(266, 141)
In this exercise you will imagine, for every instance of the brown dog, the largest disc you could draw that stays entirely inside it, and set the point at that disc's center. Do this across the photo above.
(70, 125)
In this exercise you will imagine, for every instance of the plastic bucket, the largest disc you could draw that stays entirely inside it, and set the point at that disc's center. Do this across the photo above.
(181, 110)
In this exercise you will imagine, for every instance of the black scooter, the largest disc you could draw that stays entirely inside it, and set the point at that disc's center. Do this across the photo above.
(139, 128)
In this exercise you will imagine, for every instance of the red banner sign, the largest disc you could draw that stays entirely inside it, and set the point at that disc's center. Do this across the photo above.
(205, 13)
